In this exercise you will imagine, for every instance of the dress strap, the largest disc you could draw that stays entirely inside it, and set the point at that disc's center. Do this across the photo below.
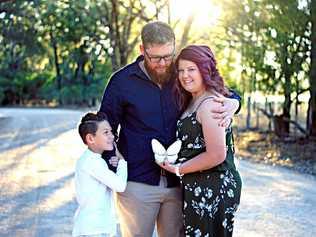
(204, 99)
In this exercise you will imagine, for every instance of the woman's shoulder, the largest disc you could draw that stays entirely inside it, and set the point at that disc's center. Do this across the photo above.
(207, 103)
(206, 107)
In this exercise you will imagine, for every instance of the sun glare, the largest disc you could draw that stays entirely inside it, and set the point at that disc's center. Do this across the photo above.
(206, 13)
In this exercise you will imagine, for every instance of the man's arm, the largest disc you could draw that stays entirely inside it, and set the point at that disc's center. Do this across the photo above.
(237, 97)
(227, 107)
(111, 105)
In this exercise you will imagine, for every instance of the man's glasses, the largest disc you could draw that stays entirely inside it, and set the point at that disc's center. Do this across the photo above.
(157, 59)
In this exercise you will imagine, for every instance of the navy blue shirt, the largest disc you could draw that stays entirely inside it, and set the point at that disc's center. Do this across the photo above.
(143, 111)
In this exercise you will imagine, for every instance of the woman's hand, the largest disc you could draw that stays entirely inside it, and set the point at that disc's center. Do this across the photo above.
(167, 166)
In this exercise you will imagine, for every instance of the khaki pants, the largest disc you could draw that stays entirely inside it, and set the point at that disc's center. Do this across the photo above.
(142, 206)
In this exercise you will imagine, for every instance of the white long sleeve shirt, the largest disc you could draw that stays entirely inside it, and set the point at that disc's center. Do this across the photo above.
(94, 183)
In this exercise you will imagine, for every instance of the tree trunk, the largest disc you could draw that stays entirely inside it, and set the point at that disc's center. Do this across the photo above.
(271, 110)
(296, 103)
(114, 36)
(287, 103)
(186, 31)
(248, 112)
(286, 113)
(56, 61)
(311, 118)
(281, 125)
(82, 60)
(257, 118)
(169, 12)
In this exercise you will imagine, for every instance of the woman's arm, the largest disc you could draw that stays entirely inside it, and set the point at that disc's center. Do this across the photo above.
(214, 137)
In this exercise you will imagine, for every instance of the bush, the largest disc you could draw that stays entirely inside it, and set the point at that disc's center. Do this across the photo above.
(71, 95)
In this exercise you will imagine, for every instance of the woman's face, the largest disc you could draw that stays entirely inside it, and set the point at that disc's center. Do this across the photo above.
(190, 77)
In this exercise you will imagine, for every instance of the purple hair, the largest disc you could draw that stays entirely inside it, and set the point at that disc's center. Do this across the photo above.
(203, 57)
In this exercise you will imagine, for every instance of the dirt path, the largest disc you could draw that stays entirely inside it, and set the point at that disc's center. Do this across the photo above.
(38, 150)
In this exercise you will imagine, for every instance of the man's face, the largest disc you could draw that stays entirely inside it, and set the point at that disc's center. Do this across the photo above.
(159, 61)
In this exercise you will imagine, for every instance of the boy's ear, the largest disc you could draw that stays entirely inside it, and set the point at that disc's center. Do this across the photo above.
(89, 138)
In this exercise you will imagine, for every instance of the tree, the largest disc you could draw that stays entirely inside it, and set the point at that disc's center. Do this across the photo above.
(121, 19)
(19, 50)
(265, 27)
(311, 117)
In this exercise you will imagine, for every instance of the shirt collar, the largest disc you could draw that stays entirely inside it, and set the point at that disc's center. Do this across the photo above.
(142, 67)
(137, 70)
(92, 154)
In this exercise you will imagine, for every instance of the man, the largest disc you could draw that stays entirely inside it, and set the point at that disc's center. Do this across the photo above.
(139, 98)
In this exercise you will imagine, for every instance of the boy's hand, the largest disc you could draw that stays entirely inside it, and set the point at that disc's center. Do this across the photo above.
(117, 153)
(114, 161)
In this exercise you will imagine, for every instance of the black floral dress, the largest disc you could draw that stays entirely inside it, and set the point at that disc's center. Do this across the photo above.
(211, 197)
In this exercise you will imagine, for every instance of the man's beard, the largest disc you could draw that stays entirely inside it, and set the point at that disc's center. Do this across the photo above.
(159, 78)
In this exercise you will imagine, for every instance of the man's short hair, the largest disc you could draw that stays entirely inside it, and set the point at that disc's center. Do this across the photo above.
(89, 124)
(157, 32)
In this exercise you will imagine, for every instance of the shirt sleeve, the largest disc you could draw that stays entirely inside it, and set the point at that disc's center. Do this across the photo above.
(234, 95)
(112, 102)
(115, 181)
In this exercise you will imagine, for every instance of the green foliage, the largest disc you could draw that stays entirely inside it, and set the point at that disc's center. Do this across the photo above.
(273, 39)
(60, 50)
(48, 90)
(52, 51)
(265, 28)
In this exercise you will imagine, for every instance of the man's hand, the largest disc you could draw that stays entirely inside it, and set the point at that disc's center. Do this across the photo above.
(225, 110)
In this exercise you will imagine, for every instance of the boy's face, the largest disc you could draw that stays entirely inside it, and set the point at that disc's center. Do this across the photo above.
(103, 138)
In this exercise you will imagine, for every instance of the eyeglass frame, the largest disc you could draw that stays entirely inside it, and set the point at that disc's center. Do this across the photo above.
(159, 58)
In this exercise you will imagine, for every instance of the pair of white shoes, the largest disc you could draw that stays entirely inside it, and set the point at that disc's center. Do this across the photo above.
(162, 155)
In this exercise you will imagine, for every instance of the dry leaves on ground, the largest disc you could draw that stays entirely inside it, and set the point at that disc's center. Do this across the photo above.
(296, 153)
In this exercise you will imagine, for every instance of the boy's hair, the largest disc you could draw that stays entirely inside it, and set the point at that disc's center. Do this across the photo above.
(157, 32)
(89, 124)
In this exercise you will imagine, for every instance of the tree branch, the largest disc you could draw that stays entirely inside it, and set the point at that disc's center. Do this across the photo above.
(297, 125)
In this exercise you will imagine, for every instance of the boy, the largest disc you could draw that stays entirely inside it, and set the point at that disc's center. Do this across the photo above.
(94, 181)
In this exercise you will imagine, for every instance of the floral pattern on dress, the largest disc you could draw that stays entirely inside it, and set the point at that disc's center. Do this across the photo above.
(211, 198)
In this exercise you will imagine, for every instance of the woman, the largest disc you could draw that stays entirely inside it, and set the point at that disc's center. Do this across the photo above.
(211, 183)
